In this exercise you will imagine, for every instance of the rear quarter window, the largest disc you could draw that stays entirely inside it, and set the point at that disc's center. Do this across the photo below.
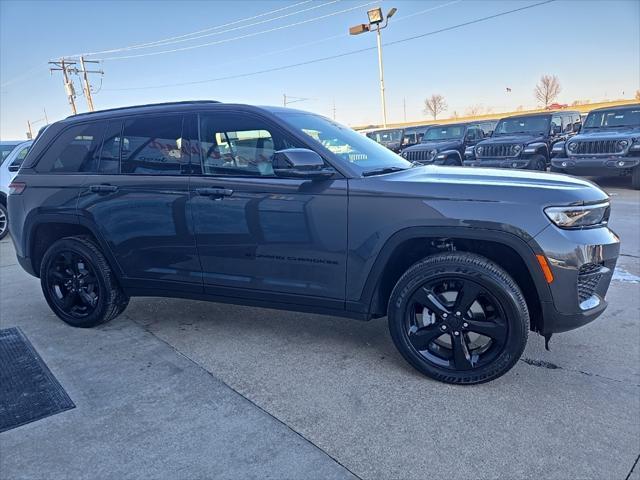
(75, 150)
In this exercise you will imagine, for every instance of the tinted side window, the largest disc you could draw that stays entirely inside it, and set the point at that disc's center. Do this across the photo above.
(556, 121)
(75, 150)
(109, 159)
(238, 145)
(154, 145)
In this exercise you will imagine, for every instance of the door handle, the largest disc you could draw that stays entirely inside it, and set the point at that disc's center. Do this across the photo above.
(214, 192)
(103, 189)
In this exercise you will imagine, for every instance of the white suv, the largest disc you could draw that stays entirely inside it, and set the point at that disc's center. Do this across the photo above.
(9, 166)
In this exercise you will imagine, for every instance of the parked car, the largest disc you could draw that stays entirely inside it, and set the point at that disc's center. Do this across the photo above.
(242, 204)
(524, 141)
(608, 145)
(444, 144)
(413, 135)
(12, 155)
(390, 138)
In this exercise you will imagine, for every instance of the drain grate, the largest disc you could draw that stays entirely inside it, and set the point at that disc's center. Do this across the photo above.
(28, 389)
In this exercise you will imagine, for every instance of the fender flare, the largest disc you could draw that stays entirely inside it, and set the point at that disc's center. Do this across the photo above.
(526, 249)
(449, 153)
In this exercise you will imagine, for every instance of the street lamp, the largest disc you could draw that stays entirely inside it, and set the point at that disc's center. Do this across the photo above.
(377, 22)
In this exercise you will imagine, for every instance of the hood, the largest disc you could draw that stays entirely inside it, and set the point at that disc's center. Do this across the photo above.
(438, 145)
(512, 139)
(491, 185)
(622, 133)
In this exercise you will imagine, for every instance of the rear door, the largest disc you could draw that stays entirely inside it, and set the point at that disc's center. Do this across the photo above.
(138, 200)
(259, 235)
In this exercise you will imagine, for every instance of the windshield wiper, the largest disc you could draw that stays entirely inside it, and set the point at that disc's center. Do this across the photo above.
(382, 171)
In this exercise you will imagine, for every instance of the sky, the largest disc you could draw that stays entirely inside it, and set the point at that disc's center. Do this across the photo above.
(593, 47)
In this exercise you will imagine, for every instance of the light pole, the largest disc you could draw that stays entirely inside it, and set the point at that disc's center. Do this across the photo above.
(377, 21)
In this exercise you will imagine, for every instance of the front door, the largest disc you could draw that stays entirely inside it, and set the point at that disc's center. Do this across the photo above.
(258, 235)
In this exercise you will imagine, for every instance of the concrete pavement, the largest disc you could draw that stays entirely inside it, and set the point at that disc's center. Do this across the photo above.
(316, 397)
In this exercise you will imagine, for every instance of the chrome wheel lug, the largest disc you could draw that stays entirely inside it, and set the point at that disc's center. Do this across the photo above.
(443, 328)
(458, 314)
(456, 333)
(465, 324)
(444, 315)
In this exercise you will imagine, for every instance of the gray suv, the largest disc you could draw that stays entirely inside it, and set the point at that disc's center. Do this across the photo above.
(285, 209)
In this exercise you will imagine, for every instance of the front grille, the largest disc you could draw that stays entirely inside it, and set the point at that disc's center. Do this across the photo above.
(596, 147)
(588, 279)
(497, 150)
(419, 155)
(354, 157)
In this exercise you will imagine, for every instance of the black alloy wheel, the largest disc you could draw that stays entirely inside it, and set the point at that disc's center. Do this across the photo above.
(459, 318)
(73, 285)
(78, 283)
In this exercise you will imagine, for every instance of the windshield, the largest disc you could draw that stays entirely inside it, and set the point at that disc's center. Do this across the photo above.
(386, 136)
(444, 133)
(532, 125)
(361, 152)
(5, 150)
(627, 117)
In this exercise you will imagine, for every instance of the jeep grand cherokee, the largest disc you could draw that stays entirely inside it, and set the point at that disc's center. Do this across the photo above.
(284, 209)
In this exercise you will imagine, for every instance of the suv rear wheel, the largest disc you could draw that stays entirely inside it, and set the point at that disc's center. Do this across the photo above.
(78, 283)
(459, 318)
(4, 221)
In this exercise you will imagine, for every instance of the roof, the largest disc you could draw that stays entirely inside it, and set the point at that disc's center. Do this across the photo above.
(539, 114)
(142, 108)
(618, 107)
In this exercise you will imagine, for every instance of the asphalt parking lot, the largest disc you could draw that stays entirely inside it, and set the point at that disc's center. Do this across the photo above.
(186, 389)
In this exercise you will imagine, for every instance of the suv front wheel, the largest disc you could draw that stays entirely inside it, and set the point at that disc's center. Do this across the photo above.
(78, 283)
(459, 318)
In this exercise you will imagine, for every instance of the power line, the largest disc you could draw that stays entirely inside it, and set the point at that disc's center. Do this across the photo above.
(240, 37)
(190, 35)
(340, 55)
(195, 36)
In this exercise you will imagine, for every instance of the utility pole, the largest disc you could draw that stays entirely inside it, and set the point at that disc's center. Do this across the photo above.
(85, 84)
(404, 107)
(382, 96)
(30, 131)
(65, 67)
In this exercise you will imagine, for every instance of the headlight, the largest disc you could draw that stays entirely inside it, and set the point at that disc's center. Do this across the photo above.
(404, 154)
(517, 149)
(432, 153)
(580, 216)
(572, 147)
(479, 150)
(622, 144)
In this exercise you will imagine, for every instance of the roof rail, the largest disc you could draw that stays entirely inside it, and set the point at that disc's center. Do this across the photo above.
(184, 102)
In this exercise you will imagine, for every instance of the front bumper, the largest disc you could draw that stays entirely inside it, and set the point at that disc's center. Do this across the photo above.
(515, 162)
(596, 166)
(582, 263)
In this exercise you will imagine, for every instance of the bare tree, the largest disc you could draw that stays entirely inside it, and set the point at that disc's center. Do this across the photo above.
(474, 110)
(435, 105)
(547, 90)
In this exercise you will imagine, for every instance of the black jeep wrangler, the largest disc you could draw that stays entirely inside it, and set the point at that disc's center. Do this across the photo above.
(391, 138)
(444, 144)
(608, 145)
(524, 141)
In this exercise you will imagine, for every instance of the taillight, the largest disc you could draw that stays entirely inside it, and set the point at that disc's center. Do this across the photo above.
(16, 188)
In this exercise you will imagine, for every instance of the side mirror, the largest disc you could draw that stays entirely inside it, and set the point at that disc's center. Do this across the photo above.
(13, 168)
(300, 163)
(577, 127)
(556, 130)
(489, 133)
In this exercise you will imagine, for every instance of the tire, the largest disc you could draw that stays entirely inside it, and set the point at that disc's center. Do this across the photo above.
(4, 221)
(494, 284)
(635, 178)
(78, 283)
(538, 162)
